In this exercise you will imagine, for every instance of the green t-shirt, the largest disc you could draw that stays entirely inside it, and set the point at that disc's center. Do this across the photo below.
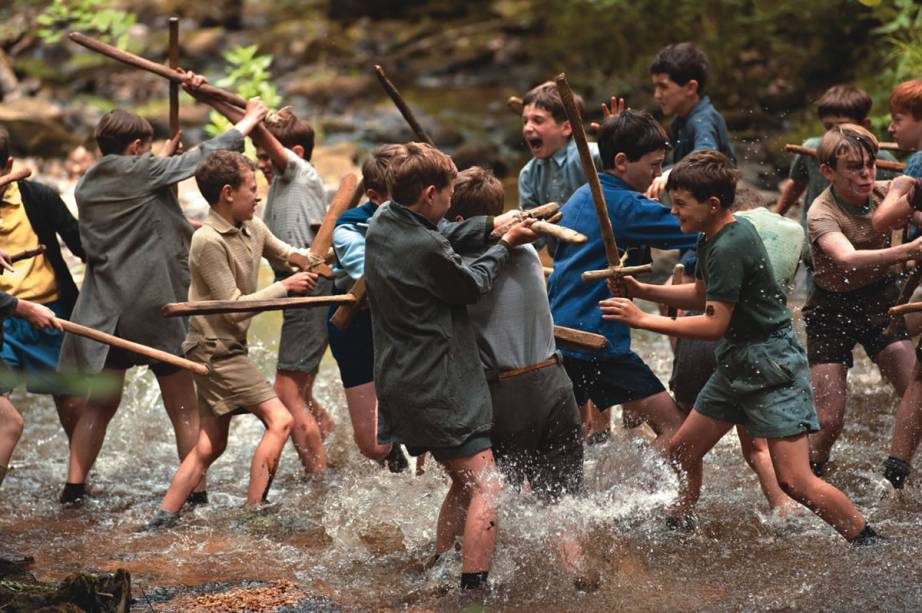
(735, 269)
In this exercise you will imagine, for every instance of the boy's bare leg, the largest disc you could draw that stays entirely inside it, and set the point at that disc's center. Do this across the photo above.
(585, 413)
(696, 437)
(663, 415)
(69, 408)
(896, 362)
(305, 384)
(907, 431)
(212, 440)
(755, 452)
(11, 426)
(452, 515)
(828, 382)
(478, 475)
(362, 401)
(278, 423)
(178, 392)
(305, 433)
(790, 457)
(90, 430)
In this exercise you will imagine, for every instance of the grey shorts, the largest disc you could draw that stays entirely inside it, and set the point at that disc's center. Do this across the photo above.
(303, 339)
(764, 385)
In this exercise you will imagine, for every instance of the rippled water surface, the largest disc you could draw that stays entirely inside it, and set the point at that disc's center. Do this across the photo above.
(357, 535)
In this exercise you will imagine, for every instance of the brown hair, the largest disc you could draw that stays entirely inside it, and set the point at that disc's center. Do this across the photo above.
(705, 174)
(907, 98)
(291, 131)
(477, 192)
(4, 146)
(844, 101)
(546, 96)
(682, 62)
(117, 129)
(845, 139)
(414, 169)
(374, 170)
(219, 169)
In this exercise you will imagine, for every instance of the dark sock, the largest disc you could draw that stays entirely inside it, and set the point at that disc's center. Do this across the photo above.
(868, 537)
(72, 492)
(472, 581)
(896, 471)
(4, 470)
(818, 468)
(197, 498)
(162, 519)
(396, 462)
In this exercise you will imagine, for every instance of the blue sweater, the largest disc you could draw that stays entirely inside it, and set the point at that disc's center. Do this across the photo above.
(639, 223)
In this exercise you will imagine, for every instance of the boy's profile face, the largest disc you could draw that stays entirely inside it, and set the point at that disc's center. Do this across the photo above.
(693, 215)
(264, 163)
(853, 176)
(542, 133)
(906, 130)
(640, 173)
(244, 198)
(673, 99)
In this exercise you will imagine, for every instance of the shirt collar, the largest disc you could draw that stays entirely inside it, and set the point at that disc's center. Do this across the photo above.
(12, 196)
(560, 156)
(407, 211)
(222, 226)
(700, 106)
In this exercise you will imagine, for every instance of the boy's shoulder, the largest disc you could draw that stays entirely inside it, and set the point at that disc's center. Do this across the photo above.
(298, 169)
(360, 214)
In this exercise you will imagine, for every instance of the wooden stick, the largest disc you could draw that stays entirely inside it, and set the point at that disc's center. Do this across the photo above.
(882, 164)
(150, 352)
(559, 232)
(544, 211)
(214, 307)
(577, 339)
(28, 253)
(174, 86)
(677, 274)
(402, 106)
(909, 286)
(903, 309)
(608, 273)
(13, 177)
(322, 242)
(548, 271)
(159, 69)
(343, 316)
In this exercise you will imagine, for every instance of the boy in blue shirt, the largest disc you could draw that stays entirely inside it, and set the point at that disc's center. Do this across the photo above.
(632, 146)
(762, 379)
(679, 74)
(906, 123)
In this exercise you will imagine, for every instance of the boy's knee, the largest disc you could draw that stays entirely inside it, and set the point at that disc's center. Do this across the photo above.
(13, 425)
(282, 423)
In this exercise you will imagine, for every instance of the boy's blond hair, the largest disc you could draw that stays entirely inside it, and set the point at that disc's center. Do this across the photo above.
(477, 192)
(414, 169)
(844, 140)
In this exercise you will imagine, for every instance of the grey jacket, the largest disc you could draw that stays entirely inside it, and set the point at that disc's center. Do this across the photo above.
(137, 246)
(430, 384)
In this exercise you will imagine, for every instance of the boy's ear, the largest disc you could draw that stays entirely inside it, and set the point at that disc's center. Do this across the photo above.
(298, 151)
(714, 203)
(691, 88)
(458, 218)
(567, 128)
(226, 194)
(827, 172)
(866, 122)
(621, 161)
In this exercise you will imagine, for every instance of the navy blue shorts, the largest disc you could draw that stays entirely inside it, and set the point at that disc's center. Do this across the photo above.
(612, 380)
(32, 354)
(353, 349)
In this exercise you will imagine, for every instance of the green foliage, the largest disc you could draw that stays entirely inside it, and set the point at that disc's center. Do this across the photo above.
(899, 58)
(87, 16)
(248, 76)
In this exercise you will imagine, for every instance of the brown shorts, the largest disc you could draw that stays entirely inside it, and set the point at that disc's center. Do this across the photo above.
(233, 383)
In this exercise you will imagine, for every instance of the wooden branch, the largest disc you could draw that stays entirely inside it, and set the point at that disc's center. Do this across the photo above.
(343, 316)
(903, 305)
(611, 273)
(215, 307)
(677, 274)
(322, 242)
(402, 106)
(158, 69)
(357, 194)
(903, 309)
(882, 164)
(515, 104)
(548, 271)
(28, 253)
(577, 339)
(560, 233)
(13, 177)
(174, 86)
(545, 211)
(149, 352)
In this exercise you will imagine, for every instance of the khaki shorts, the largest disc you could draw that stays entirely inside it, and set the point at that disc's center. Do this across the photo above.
(233, 383)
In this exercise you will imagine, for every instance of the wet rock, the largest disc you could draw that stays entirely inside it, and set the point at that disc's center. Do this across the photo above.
(9, 84)
(37, 126)
(13, 563)
(107, 593)
(335, 88)
(204, 42)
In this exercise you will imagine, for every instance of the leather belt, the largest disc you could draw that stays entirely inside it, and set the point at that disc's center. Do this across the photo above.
(508, 374)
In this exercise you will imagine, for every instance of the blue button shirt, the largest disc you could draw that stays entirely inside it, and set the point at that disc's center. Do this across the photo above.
(703, 128)
(554, 179)
(639, 223)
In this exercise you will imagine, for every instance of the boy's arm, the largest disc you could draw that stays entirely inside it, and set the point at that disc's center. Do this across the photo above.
(650, 223)
(709, 327)
(260, 134)
(685, 296)
(837, 246)
(62, 222)
(895, 210)
(349, 245)
(790, 192)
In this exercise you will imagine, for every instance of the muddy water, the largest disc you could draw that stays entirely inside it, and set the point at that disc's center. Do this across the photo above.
(356, 536)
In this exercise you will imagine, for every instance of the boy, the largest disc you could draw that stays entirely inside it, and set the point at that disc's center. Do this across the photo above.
(33, 214)
(137, 243)
(853, 286)
(536, 431)
(839, 104)
(42, 318)
(632, 146)
(761, 378)
(353, 347)
(294, 211)
(224, 263)
(555, 171)
(679, 73)
(432, 394)
(906, 123)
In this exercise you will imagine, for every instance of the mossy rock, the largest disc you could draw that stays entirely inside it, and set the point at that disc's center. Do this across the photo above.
(79, 592)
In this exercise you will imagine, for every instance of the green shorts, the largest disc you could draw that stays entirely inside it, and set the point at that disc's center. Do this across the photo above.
(764, 385)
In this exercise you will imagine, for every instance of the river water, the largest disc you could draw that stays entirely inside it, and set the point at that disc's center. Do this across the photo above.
(354, 538)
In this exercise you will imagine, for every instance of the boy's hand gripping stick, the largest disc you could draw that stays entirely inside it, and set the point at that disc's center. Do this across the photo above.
(615, 265)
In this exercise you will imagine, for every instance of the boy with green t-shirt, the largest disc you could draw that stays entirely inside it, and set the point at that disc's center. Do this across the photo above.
(762, 378)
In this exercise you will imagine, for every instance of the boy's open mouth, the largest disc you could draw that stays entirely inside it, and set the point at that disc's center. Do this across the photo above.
(534, 143)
